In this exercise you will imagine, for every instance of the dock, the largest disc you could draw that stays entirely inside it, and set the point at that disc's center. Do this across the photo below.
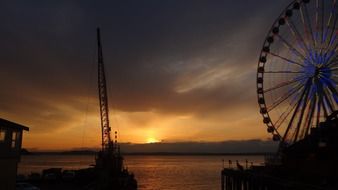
(232, 179)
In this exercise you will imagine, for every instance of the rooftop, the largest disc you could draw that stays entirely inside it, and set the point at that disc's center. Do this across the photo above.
(9, 124)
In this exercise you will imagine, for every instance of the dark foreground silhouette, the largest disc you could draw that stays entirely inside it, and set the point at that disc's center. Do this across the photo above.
(310, 164)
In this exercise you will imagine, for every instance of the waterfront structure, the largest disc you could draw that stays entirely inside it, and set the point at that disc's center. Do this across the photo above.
(10, 149)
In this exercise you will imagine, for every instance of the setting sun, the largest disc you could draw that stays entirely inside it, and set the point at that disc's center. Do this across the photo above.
(152, 140)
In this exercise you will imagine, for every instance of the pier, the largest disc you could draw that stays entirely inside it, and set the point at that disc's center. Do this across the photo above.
(250, 180)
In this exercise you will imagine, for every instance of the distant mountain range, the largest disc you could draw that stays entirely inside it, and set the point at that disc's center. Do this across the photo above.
(246, 147)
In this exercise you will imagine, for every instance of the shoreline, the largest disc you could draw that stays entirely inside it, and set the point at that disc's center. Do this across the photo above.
(151, 153)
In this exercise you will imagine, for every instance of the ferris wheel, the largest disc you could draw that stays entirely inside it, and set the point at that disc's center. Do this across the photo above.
(297, 70)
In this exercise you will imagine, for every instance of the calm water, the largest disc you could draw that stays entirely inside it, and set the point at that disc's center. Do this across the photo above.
(152, 172)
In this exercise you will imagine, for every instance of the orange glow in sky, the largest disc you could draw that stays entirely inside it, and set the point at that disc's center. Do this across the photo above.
(144, 128)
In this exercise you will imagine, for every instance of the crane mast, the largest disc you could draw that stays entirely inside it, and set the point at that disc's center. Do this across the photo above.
(104, 111)
(110, 171)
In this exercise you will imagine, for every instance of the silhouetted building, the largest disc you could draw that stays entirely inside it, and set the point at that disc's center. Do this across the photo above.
(10, 148)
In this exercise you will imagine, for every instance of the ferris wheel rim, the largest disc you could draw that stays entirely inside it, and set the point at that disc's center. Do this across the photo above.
(285, 14)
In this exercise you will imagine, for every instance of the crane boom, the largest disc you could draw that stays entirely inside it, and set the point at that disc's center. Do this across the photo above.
(109, 169)
(104, 111)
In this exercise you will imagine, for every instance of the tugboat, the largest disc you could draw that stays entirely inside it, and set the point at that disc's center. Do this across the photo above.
(109, 169)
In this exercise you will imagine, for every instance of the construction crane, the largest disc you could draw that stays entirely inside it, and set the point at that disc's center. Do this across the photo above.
(111, 173)
(107, 144)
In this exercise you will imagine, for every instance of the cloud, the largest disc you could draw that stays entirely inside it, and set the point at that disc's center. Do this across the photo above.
(164, 61)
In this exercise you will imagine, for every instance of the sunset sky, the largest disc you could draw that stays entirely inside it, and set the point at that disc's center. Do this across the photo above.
(176, 70)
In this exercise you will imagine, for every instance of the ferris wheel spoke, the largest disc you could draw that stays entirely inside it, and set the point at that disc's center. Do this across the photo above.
(285, 115)
(308, 21)
(284, 97)
(318, 111)
(333, 95)
(308, 36)
(320, 107)
(334, 69)
(334, 63)
(335, 47)
(332, 34)
(318, 9)
(323, 98)
(292, 72)
(322, 22)
(316, 19)
(324, 108)
(300, 120)
(328, 101)
(329, 22)
(297, 35)
(286, 59)
(333, 90)
(331, 62)
(309, 117)
(291, 48)
(296, 111)
(280, 85)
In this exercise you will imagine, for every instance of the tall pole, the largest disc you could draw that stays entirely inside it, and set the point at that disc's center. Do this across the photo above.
(104, 111)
